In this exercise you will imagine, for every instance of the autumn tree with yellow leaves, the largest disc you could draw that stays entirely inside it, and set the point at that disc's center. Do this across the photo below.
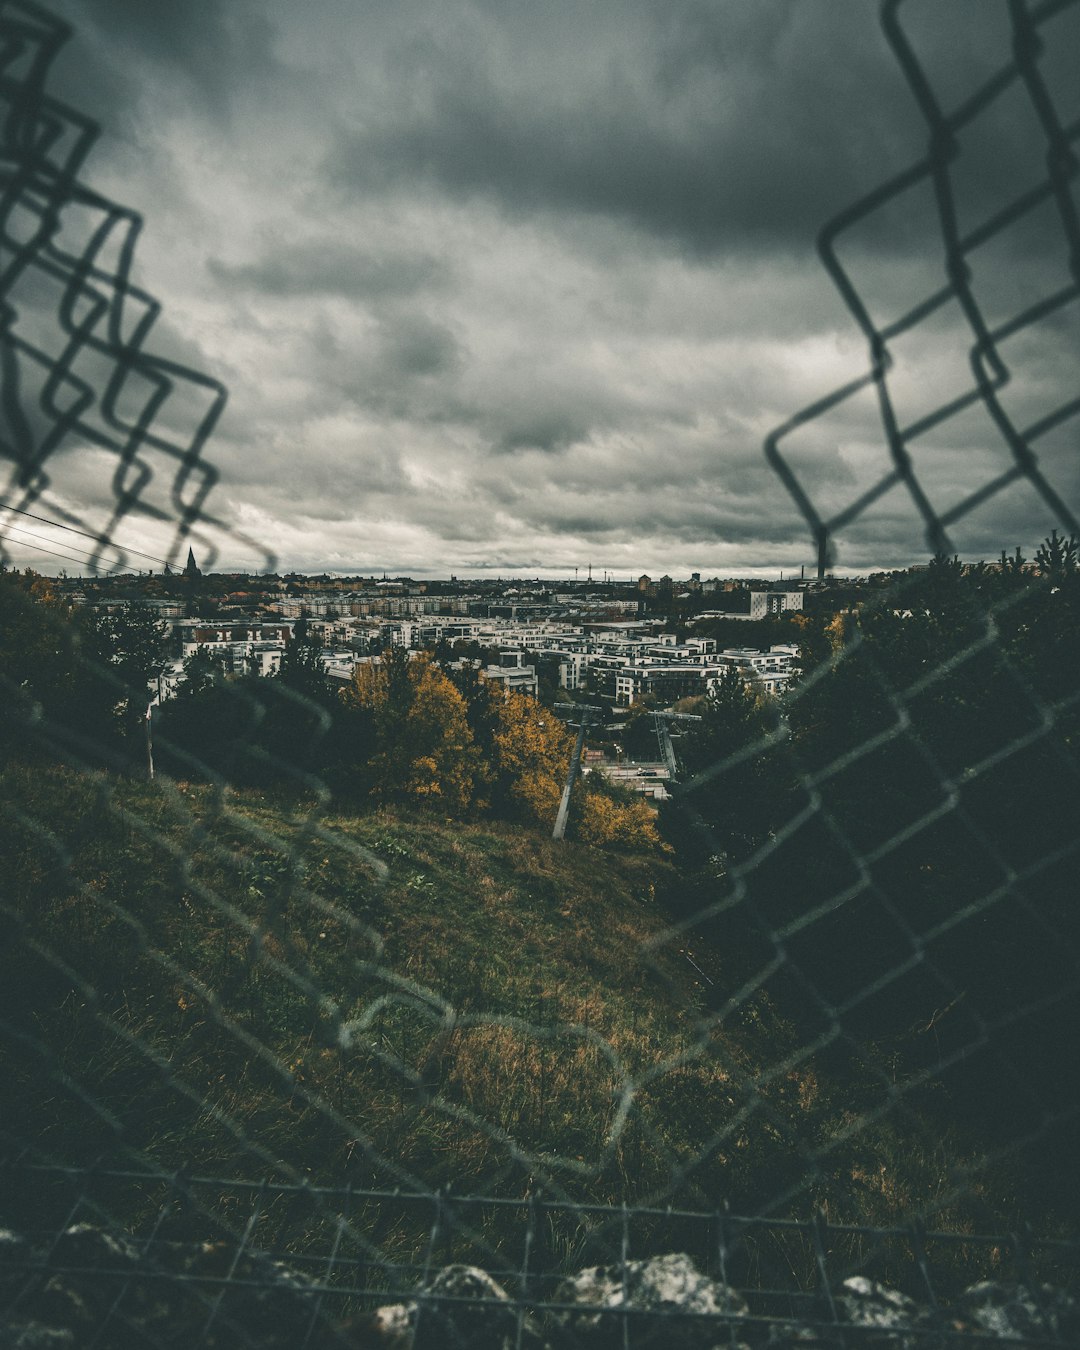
(614, 817)
(527, 749)
(532, 750)
(530, 754)
(459, 742)
(425, 750)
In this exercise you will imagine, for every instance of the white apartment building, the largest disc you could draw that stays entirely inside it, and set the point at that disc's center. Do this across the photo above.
(520, 679)
(769, 671)
(231, 638)
(669, 679)
(763, 604)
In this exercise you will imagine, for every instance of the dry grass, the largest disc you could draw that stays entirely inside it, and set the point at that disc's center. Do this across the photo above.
(232, 986)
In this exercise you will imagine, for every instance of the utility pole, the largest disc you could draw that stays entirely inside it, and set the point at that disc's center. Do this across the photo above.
(587, 720)
(663, 735)
(150, 736)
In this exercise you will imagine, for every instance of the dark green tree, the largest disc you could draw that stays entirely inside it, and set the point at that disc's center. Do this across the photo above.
(40, 676)
(77, 678)
(480, 710)
(301, 665)
(203, 669)
(1056, 557)
(639, 740)
(129, 647)
(1012, 564)
(734, 779)
(733, 715)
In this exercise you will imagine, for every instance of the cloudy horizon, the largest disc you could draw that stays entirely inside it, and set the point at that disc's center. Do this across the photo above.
(515, 288)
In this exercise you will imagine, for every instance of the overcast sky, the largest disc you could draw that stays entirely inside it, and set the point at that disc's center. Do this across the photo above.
(522, 285)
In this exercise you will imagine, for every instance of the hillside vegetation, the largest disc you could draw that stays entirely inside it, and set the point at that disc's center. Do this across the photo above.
(841, 984)
(236, 986)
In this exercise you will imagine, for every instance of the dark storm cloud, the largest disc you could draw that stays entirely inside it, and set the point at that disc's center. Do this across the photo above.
(400, 366)
(544, 429)
(319, 481)
(710, 181)
(415, 346)
(674, 518)
(330, 266)
(212, 45)
(719, 126)
(498, 279)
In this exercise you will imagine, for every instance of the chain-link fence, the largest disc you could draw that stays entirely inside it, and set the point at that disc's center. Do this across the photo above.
(79, 369)
(273, 1068)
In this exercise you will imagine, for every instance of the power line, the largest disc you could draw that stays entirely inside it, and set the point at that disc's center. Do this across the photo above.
(68, 557)
(21, 530)
(59, 525)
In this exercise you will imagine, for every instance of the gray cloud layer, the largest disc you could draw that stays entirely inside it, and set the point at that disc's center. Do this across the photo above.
(500, 283)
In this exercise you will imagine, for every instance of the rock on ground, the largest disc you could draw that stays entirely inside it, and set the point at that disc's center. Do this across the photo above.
(667, 1299)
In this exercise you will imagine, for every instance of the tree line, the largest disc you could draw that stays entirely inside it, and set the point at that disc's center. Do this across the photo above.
(73, 681)
(406, 731)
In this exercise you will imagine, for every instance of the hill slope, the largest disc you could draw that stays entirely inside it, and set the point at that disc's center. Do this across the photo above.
(240, 987)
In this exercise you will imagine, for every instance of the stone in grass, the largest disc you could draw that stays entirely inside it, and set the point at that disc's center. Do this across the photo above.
(1015, 1312)
(463, 1308)
(391, 1327)
(671, 1305)
(886, 1317)
(96, 1287)
(788, 1335)
(17, 1280)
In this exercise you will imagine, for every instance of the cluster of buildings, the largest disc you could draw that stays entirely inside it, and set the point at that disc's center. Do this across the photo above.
(621, 660)
(671, 671)
(614, 645)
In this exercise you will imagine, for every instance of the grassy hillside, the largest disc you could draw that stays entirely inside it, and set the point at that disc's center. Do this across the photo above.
(246, 987)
